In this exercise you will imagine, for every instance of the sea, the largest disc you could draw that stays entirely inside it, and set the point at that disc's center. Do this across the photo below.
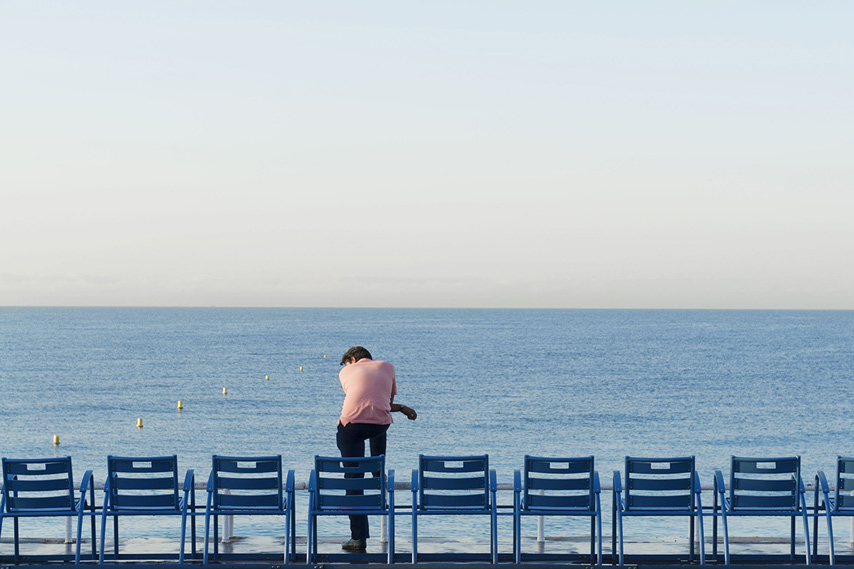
(562, 383)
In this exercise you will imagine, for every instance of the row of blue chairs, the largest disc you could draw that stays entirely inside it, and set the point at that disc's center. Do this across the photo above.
(442, 485)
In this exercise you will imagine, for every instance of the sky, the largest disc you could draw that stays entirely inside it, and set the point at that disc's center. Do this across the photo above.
(483, 153)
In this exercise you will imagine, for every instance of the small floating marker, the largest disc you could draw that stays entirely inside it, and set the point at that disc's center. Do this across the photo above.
(224, 391)
(55, 440)
(139, 423)
(267, 377)
(324, 356)
(180, 405)
(300, 368)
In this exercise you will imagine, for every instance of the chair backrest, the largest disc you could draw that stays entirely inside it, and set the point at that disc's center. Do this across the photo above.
(765, 483)
(35, 485)
(341, 483)
(143, 483)
(844, 483)
(453, 482)
(247, 483)
(558, 484)
(660, 484)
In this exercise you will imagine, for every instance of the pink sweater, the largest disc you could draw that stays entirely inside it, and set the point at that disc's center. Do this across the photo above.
(368, 388)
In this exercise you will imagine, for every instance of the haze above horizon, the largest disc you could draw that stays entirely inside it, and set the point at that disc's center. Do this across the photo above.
(445, 154)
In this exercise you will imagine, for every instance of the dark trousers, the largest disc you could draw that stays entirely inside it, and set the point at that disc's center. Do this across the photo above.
(351, 442)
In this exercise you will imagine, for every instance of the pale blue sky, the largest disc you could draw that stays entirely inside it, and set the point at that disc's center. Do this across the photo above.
(464, 154)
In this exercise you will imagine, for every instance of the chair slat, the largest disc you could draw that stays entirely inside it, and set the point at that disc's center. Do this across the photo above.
(234, 483)
(123, 483)
(148, 501)
(559, 466)
(765, 485)
(786, 465)
(440, 501)
(247, 501)
(336, 501)
(37, 467)
(545, 502)
(845, 484)
(41, 503)
(748, 502)
(363, 466)
(642, 502)
(558, 484)
(432, 483)
(845, 502)
(453, 465)
(845, 464)
(349, 483)
(37, 485)
(140, 465)
(660, 467)
(246, 465)
(659, 484)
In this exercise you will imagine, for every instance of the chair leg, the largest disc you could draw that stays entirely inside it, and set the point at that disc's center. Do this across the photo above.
(116, 537)
(806, 536)
(207, 539)
(103, 536)
(183, 539)
(391, 535)
(287, 537)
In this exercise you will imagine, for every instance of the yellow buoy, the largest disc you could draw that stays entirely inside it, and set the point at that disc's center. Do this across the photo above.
(324, 356)
(300, 368)
(180, 405)
(55, 440)
(267, 377)
(139, 423)
(224, 391)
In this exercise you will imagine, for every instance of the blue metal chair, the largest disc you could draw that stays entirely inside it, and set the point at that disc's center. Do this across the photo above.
(761, 487)
(147, 486)
(558, 487)
(658, 487)
(250, 486)
(338, 486)
(45, 488)
(838, 503)
(454, 485)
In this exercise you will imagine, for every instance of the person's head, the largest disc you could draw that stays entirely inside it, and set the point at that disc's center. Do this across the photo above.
(355, 354)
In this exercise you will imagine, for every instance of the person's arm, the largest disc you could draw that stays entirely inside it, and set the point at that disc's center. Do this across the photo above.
(408, 411)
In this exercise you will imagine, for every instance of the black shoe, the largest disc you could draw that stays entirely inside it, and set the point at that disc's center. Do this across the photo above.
(355, 545)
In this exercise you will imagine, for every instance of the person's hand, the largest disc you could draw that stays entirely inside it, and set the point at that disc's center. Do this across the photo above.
(409, 412)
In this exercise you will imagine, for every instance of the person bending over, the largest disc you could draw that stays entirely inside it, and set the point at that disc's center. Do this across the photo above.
(369, 389)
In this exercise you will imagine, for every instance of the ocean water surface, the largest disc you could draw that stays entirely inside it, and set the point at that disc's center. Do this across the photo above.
(499, 382)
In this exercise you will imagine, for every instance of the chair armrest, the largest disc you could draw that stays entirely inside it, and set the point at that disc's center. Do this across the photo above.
(822, 486)
(720, 487)
(597, 487)
(698, 488)
(85, 482)
(414, 485)
(821, 482)
(517, 481)
(189, 481)
(211, 483)
(289, 482)
(312, 481)
(390, 482)
(493, 481)
(618, 483)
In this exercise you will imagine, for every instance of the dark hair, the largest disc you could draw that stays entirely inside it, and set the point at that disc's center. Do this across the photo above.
(357, 352)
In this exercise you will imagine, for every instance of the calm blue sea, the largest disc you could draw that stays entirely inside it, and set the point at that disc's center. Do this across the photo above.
(502, 382)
